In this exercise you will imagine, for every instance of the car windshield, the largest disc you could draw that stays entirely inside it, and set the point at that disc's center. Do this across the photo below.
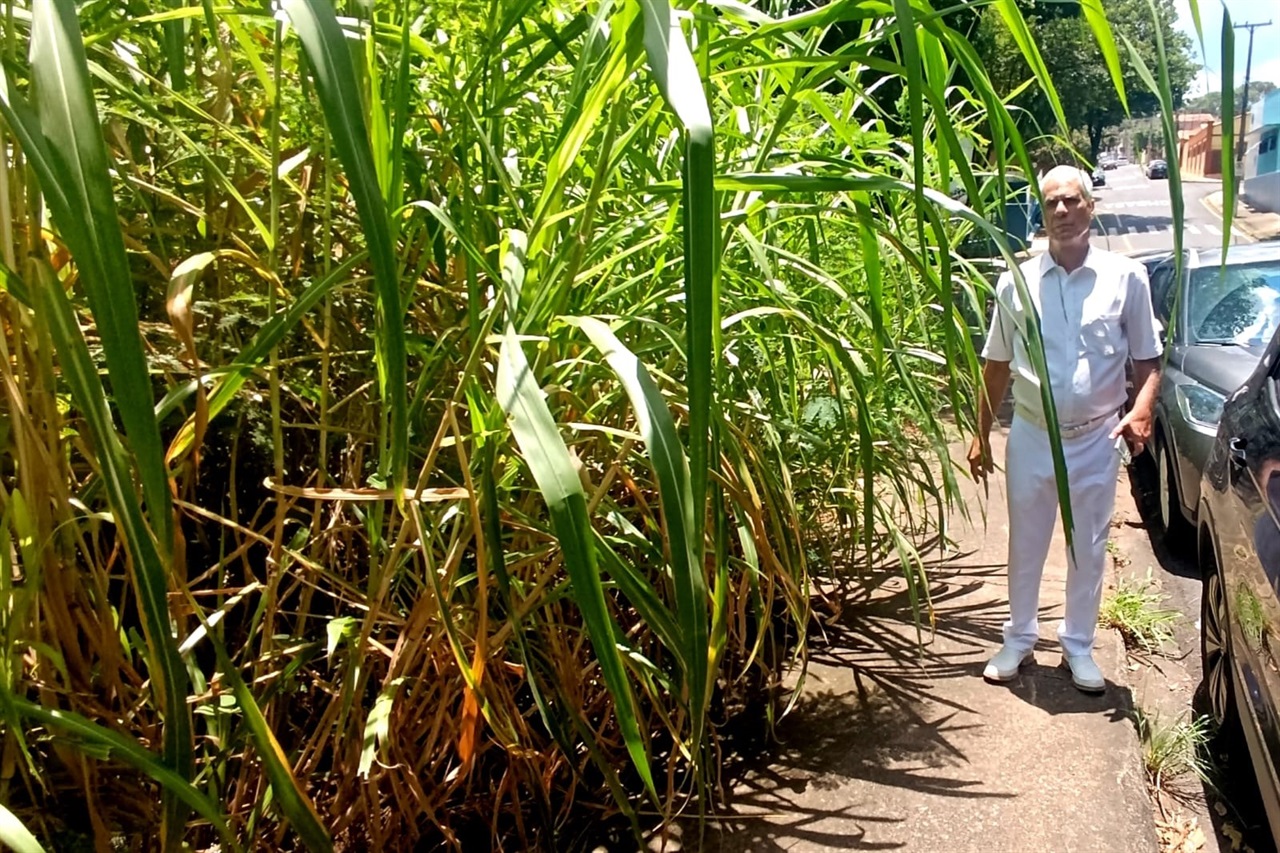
(1238, 304)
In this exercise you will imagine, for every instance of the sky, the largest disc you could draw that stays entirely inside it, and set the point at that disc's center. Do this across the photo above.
(1266, 40)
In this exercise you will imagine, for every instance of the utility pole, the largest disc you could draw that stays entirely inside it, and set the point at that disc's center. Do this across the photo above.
(1244, 103)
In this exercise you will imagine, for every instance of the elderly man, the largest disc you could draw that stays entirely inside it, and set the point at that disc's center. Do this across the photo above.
(1095, 314)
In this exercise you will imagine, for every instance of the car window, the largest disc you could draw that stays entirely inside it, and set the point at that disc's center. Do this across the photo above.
(1161, 293)
(1238, 304)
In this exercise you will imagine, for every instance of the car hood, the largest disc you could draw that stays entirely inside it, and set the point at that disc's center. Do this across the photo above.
(1222, 368)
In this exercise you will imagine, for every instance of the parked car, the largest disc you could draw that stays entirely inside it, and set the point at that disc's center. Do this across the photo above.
(1157, 169)
(1151, 259)
(1239, 550)
(1219, 316)
(1099, 177)
(1109, 163)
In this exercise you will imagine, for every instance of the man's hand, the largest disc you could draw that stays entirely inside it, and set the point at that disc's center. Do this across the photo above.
(980, 464)
(1135, 426)
(995, 381)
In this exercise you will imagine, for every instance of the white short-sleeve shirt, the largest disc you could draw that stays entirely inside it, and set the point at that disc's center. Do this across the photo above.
(1092, 321)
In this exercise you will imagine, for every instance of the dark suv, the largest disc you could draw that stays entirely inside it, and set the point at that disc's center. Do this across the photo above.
(1157, 169)
(1239, 550)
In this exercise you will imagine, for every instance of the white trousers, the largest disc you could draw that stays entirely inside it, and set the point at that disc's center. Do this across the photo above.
(1032, 491)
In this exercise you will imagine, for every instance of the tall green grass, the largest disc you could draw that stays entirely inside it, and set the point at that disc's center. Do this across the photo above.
(426, 424)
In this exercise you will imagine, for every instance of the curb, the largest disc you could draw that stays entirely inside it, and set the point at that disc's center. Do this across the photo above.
(1237, 222)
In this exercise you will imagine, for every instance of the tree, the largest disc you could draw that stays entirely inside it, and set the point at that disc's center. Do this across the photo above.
(1211, 102)
(1079, 72)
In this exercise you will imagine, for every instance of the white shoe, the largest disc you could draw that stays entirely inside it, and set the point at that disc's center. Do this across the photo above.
(1004, 666)
(1085, 673)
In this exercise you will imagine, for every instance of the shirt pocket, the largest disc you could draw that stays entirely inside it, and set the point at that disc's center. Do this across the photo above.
(1104, 335)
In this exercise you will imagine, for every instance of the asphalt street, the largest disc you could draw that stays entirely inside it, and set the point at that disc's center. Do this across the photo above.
(1133, 214)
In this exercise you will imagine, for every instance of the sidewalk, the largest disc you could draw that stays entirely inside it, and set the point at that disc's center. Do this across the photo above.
(1258, 225)
(891, 746)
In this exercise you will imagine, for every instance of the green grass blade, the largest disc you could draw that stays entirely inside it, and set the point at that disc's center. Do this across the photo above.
(167, 672)
(84, 210)
(286, 791)
(654, 420)
(676, 75)
(1159, 83)
(251, 53)
(915, 102)
(12, 284)
(603, 91)
(1097, 18)
(552, 469)
(633, 584)
(15, 836)
(1228, 126)
(122, 749)
(1194, 6)
(400, 111)
(340, 97)
(175, 34)
(1026, 43)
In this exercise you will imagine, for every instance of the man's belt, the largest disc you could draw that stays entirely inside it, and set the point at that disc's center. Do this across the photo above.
(1065, 430)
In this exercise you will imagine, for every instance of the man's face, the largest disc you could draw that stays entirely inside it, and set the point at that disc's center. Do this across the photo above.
(1068, 214)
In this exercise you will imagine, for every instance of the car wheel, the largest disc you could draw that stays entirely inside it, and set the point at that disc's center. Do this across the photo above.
(1215, 645)
(1172, 523)
(1215, 655)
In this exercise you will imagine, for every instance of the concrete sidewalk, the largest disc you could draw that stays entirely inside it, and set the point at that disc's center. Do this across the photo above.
(1259, 225)
(898, 746)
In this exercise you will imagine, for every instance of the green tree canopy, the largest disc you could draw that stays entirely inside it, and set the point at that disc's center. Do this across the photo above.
(1211, 102)
(1074, 61)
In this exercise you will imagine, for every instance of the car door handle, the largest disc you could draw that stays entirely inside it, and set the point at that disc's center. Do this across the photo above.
(1237, 447)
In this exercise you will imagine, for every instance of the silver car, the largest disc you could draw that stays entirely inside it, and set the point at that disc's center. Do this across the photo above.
(1218, 318)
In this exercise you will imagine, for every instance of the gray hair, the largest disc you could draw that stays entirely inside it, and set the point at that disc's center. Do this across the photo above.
(1065, 173)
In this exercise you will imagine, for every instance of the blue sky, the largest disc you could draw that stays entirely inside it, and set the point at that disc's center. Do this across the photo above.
(1266, 40)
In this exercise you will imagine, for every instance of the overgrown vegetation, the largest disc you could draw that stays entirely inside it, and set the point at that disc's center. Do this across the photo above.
(421, 426)
(1091, 102)
(1135, 607)
(1172, 748)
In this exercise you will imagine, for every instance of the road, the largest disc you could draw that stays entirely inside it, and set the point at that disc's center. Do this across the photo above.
(1133, 214)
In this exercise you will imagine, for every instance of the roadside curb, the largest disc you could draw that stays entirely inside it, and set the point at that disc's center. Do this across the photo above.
(1213, 203)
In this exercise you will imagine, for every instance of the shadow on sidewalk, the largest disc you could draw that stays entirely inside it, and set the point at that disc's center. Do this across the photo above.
(887, 707)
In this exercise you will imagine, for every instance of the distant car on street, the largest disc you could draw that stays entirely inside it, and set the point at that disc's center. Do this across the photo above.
(1157, 169)
(1109, 163)
(1218, 317)
(1099, 177)
(1239, 551)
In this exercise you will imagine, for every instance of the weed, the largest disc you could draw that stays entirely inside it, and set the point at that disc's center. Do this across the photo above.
(1117, 555)
(1135, 608)
(1171, 748)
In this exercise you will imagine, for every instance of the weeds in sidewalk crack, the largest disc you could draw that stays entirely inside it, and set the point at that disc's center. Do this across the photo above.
(1136, 609)
(1173, 748)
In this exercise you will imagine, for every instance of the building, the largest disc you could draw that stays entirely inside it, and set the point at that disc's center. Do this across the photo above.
(1261, 184)
(1200, 152)
(1189, 123)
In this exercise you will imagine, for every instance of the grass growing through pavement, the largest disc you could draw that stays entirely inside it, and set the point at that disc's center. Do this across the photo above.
(1171, 748)
(1136, 608)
